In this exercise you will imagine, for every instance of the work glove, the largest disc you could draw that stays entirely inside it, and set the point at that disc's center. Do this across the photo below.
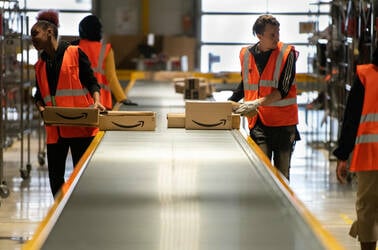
(235, 105)
(248, 108)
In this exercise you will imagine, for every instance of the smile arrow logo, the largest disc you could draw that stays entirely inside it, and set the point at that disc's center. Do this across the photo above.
(82, 116)
(138, 124)
(221, 122)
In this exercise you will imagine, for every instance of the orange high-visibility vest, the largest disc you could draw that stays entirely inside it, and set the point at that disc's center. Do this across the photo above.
(97, 52)
(280, 113)
(69, 93)
(365, 154)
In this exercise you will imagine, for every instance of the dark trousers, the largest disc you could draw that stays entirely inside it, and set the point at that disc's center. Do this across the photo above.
(57, 156)
(276, 142)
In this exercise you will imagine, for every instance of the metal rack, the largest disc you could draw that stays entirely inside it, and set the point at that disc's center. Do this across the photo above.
(350, 38)
(16, 110)
(317, 112)
(351, 43)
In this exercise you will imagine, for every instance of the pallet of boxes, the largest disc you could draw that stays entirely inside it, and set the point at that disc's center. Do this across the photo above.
(193, 88)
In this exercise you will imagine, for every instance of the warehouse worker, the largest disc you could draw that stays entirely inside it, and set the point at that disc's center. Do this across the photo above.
(101, 56)
(359, 134)
(63, 78)
(268, 71)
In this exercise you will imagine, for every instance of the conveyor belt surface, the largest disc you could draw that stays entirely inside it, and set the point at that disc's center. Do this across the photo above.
(178, 189)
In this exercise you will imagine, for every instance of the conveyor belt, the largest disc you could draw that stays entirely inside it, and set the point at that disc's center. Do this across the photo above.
(179, 189)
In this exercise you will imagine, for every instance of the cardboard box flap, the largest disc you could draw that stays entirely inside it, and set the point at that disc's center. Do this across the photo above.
(128, 113)
(208, 115)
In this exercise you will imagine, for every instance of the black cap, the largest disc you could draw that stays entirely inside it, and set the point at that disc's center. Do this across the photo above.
(90, 28)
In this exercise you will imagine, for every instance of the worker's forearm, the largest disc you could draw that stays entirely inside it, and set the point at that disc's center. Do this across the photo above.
(271, 98)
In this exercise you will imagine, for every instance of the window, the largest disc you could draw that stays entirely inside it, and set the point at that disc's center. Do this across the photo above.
(80, 5)
(226, 27)
(71, 12)
(69, 22)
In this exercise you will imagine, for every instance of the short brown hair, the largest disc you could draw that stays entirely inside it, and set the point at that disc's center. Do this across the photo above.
(262, 21)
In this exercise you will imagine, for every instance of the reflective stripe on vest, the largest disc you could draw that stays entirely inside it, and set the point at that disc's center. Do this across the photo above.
(267, 83)
(104, 86)
(246, 69)
(66, 92)
(277, 72)
(367, 138)
(65, 97)
(101, 57)
(369, 118)
(283, 112)
(99, 69)
(97, 52)
(263, 83)
(248, 86)
(365, 152)
(283, 102)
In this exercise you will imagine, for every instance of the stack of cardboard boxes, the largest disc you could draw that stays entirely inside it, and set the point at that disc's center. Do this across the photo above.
(193, 88)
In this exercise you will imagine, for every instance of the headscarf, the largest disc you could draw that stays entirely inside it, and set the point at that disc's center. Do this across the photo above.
(90, 28)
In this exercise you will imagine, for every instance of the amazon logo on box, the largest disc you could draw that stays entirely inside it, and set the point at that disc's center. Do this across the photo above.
(127, 120)
(208, 115)
(70, 116)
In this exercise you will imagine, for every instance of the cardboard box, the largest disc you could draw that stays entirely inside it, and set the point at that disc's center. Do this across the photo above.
(192, 83)
(196, 94)
(235, 121)
(193, 88)
(128, 120)
(208, 115)
(179, 86)
(177, 120)
(71, 116)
